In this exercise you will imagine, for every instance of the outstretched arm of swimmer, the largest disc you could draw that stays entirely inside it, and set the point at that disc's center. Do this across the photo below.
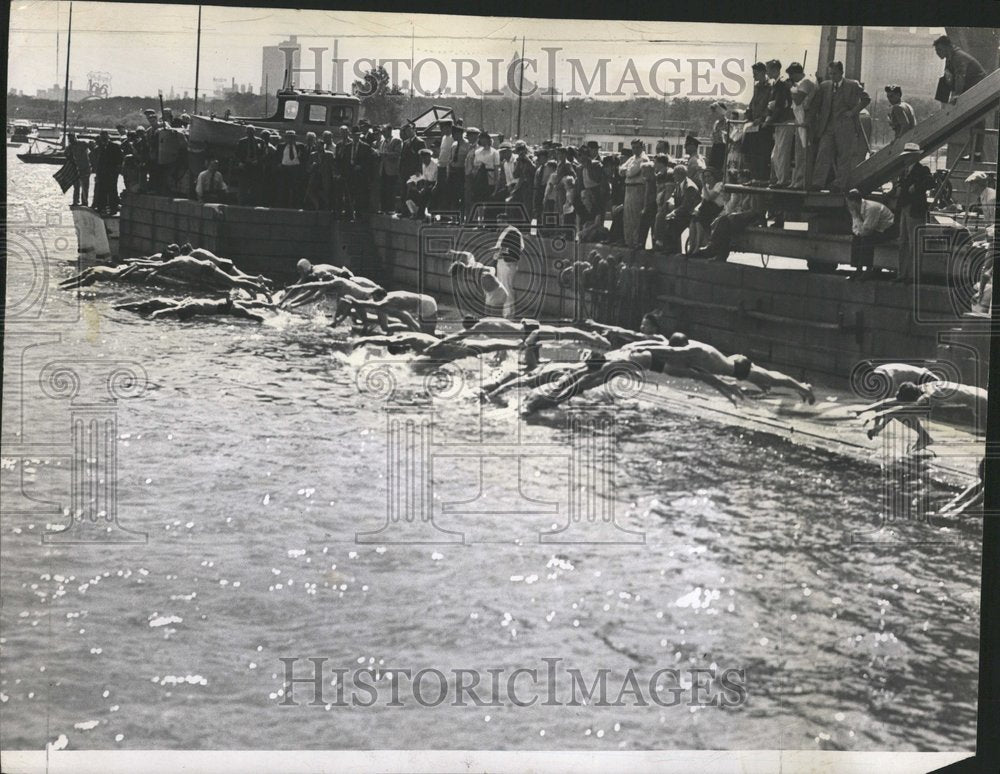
(716, 383)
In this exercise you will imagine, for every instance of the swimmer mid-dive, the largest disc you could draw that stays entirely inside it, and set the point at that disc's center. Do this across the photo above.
(417, 311)
(307, 292)
(94, 274)
(434, 349)
(913, 401)
(682, 354)
(466, 268)
(892, 376)
(233, 305)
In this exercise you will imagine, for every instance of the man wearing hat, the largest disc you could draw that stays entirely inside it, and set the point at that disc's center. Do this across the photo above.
(757, 136)
(290, 171)
(362, 171)
(911, 208)
(250, 156)
(538, 193)
(986, 197)
(505, 180)
(901, 117)
(780, 118)
(802, 92)
(389, 148)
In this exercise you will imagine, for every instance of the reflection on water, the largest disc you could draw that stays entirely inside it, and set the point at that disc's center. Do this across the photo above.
(252, 460)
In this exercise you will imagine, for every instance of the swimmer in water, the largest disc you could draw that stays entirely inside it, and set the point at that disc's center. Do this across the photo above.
(310, 272)
(893, 375)
(595, 370)
(125, 273)
(307, 292)
(706, 358)
(232, 305)
(528, 328)
(911, 397)
(650, 329)
(417, 311)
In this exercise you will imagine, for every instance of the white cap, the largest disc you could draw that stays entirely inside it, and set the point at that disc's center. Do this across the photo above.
(976, 177)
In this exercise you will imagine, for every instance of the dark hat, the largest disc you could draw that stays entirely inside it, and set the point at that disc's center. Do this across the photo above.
(472, 130)
(854, 195)
(758, 67)
(505, 145)
(794, 67)
(355, 130)
(774, 63)
(446, 120)
(637, 140)
(457, 124)
(691, 139)
(893, 88)
(149, 112)
(593, 144)
(520, 145)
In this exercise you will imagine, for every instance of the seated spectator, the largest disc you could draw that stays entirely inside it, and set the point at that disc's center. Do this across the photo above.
(420, 187)
(210, 187)
(986, 197)
(739, 213)
(664, 194)
(686, 199)
(712, 201)
(872, 223)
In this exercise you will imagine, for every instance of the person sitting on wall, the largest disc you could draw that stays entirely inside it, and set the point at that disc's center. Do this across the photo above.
(872, 223)
(739, 213)
(420, 186)
(686, 199)
(210, 186)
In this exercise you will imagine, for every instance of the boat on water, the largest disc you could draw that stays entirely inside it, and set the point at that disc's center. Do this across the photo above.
(43, 152)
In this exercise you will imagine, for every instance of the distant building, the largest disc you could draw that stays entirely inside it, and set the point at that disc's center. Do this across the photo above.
(616, 134)
(56, 93)
(273, 65)
(900, 55)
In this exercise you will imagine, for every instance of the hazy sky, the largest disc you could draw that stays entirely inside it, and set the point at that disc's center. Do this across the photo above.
(149, 47)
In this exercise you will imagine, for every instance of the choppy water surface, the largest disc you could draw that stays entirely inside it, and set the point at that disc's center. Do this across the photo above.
(251, 462)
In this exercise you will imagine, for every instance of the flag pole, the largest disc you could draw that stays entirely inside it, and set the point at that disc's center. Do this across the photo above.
(520, 90)
(197, 63)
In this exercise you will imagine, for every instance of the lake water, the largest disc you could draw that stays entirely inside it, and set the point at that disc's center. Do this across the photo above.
(252, 460)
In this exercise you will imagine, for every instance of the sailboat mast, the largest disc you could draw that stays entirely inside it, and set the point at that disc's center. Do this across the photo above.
(69, 40)
(197, 62)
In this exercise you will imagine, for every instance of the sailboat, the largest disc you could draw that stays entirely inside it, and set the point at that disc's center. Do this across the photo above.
(41, 150)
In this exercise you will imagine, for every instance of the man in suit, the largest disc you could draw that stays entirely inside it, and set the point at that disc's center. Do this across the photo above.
(363, 168)
(409, 159)
(962, 71)
(344, 201)
(758, 136)
(251, 153)
(841, 141)
(79, 152)
(107, 168)
(451, 169)
(327, 164)
(388, 159)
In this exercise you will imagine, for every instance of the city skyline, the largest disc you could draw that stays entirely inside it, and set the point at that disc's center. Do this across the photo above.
(123, 39)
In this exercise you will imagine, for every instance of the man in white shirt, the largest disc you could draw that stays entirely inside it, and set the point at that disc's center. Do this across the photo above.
(871, 224)
(986, 197)
(421, 185)
(803, 92)
(210, 187)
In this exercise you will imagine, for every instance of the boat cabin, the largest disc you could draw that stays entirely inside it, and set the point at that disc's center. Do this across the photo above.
(307, 110)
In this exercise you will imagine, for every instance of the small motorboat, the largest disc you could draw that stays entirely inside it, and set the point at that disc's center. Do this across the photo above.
(47, 153)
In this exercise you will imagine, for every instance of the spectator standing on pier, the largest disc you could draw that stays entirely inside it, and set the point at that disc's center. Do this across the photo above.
(538, 187)
(842, 144)
(664, 192)
(485, 170)
(328, 163)
(363, 169)
(389, 148)
(757, 136)
(106, 171)
(290, 171)
(313, 171)
(251, 153)
(802, 92)
(633, 172)
(781, 117)
(911, 209)
(720, 135)
(79, 152)
(871, 224)
(901, 117)
(524, 179)
(210, 186)
(472, 137)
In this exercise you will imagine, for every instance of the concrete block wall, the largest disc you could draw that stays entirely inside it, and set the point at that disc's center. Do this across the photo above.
(804, 323)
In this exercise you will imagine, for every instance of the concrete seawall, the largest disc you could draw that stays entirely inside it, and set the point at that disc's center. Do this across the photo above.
(812, 326)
